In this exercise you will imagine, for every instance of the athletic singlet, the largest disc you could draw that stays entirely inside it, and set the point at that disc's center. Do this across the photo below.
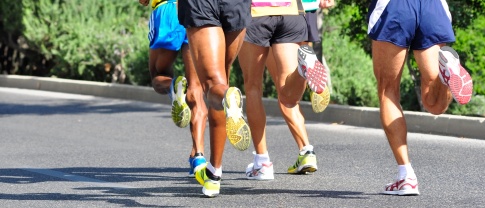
(156, 3)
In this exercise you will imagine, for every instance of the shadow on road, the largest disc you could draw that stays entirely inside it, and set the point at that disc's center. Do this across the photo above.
(182, 187)
(7, 109)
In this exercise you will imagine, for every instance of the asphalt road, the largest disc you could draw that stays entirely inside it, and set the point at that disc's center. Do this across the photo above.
(65, 150)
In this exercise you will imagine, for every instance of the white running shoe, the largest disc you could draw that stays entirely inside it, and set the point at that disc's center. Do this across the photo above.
(403, 187)
(311, 69)
(453, 75)
(266, 172)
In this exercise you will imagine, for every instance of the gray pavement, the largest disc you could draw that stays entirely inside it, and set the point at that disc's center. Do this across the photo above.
(68, 150)
(449, 125)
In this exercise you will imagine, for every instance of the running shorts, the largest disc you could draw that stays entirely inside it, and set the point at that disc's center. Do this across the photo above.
(231, 15)
(164, 28)
(267, 30)
(311, 21)
(418, 24)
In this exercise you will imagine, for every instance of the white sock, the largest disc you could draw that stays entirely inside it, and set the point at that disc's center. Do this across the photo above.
(406, 171)
(215, 171)
(259, 159)
(305, 149)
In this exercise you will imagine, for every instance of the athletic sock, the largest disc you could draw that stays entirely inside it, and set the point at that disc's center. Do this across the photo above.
(306, 149)
(215, 171)
(406, 171)
(259, 159)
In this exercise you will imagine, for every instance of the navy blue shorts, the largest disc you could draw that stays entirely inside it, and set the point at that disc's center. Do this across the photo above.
(418, 24)
(164, 28)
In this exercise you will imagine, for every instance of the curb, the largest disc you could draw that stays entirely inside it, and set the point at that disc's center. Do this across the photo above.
(449, 125)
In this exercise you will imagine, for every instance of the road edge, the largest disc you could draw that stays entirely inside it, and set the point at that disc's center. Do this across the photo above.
(419, 122)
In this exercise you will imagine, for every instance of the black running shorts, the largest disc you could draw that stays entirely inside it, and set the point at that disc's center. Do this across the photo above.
(267, 30)
(231, 15)
(311, 20)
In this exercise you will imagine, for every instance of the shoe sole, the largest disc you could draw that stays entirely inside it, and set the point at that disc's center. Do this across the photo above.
(303, 170)
(261, 178)
(316, 76)
(307, 170)
(461, 85)
(402, 193)
(237, 129)
(320, 101)
(210, 193)
(181, 113)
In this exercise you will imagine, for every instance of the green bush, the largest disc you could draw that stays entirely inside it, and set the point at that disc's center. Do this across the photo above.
(476, 107)
(351, 68)
(470, 44)
(87, 40)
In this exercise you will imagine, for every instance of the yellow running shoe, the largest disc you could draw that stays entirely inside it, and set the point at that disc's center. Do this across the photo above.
(320, 101)
(237, 129)
(180, 110)
(306, 163)
(211, 184)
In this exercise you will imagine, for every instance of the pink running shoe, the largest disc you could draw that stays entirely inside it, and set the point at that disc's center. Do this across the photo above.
(453, 75)
(311, 69)
(403, 187)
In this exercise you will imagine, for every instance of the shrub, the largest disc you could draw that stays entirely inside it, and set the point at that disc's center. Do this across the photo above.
(351, 68)
(470, 44)
(86, 40)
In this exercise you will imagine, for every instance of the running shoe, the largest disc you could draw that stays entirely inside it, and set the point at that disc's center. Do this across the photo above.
(453, 75)
(311, 69)
(195, 161)
(180, 110)
(264, 173)
(403, 187)
(305, 164)
(327, 71)
(211, 183)
(320, 101)
(237, 129)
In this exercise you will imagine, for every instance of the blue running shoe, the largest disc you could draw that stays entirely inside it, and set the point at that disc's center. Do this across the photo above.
(195, 161)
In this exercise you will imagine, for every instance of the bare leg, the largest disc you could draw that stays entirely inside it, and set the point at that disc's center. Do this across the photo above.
(436, 96)
(160, 67)
(294, 84)
(388, 60)
(195, 100)
(208, 45)
(252, 60)
(293, 116)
